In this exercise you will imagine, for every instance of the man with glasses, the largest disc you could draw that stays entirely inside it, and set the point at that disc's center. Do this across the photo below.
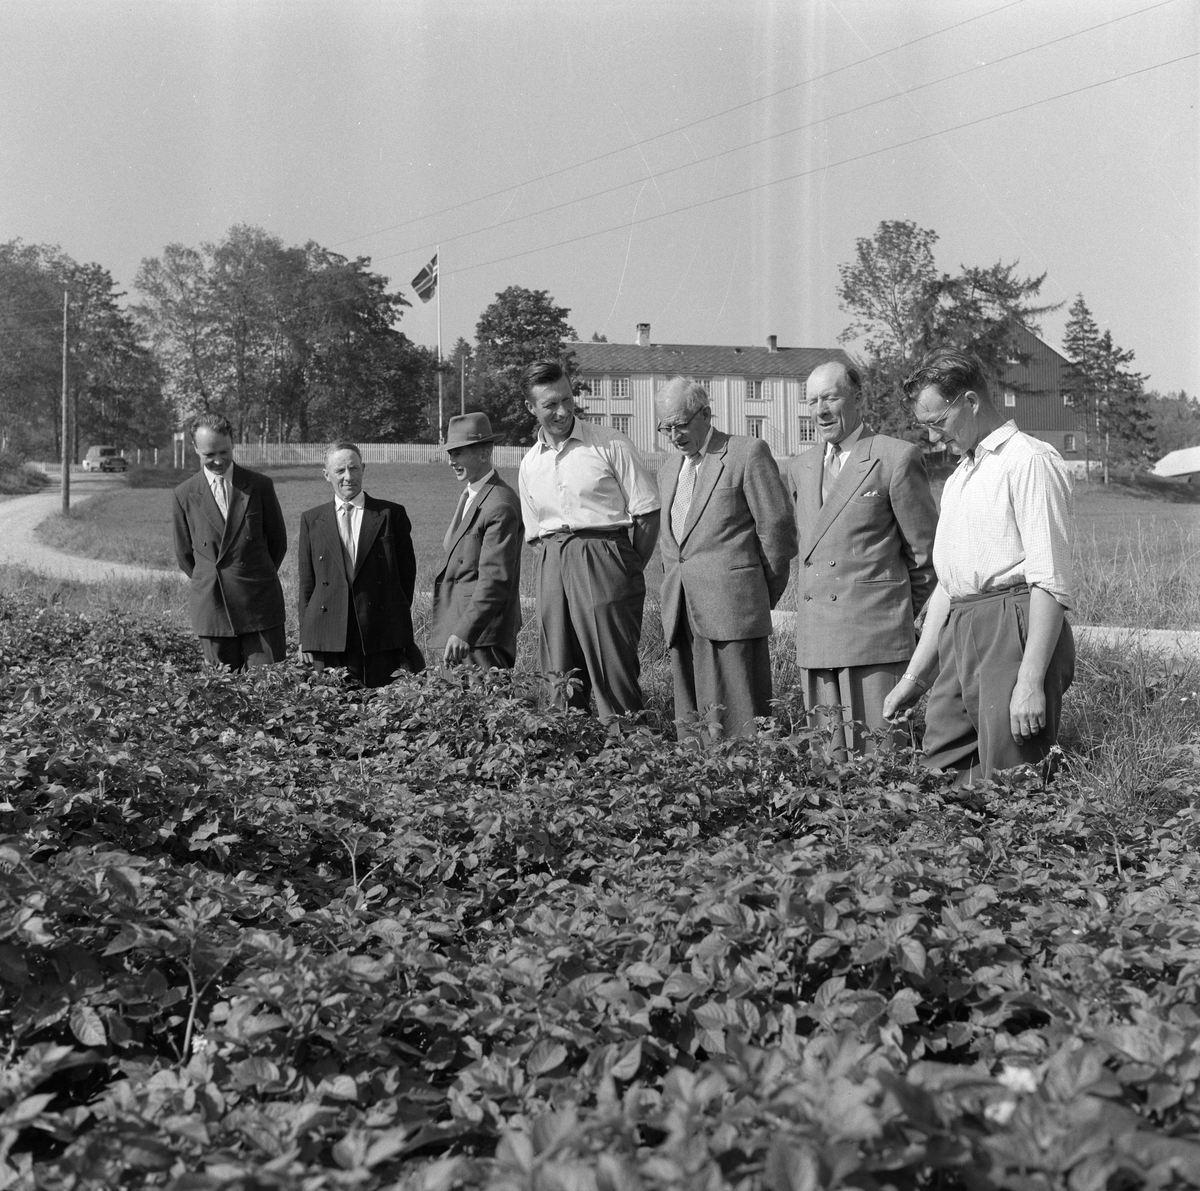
(727, 542)
(591, 510)
(866, 518)
(995, 634)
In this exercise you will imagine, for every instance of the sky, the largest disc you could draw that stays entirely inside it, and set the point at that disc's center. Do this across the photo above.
(703, 166)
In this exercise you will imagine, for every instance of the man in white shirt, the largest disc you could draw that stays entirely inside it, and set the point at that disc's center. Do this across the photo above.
(230, 538)
(995, 634)
(590, 507)
(476, 613)
(357, 570)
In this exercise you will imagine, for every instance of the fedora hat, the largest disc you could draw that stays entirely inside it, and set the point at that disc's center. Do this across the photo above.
(469, 430)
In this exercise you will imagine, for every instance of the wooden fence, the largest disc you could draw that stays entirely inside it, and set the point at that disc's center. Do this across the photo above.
(313, 454)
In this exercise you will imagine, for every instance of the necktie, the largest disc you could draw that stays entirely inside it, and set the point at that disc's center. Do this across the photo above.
(346, 528)
(683, 496)
(448, 541)
(833, 467)
(221, 492)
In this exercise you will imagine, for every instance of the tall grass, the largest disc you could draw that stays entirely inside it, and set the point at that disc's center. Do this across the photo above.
(1148, 578)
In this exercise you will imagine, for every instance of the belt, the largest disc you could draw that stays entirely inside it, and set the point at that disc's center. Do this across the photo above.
(565, 535)
(997, 593)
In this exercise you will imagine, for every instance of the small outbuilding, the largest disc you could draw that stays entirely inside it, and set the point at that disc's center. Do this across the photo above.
(1180, 465)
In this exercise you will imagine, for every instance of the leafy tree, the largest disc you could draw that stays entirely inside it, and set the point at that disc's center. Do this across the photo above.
(289, 341)
(1109, 396)
(901, 306)
(520, 326)
(1174, 420)
(114, 388)
(598, 338)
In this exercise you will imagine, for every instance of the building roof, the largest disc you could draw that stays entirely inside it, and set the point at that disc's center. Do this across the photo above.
(1179, 463)
(697, 359)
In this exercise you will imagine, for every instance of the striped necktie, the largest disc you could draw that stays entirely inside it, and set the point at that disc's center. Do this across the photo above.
(221, 494)
(346, 529)
(833, 468)
(452, 532)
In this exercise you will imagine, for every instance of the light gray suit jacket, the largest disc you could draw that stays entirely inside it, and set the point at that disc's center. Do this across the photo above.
(731, 562)
(866, 554)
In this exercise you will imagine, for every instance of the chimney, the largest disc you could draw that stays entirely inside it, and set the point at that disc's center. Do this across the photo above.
(643, 335)
(773, 344)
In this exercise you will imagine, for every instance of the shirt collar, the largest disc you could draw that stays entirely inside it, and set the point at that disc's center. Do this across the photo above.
(357, 502)
(474, 487)
(846, 443)
(998, 437)
(214, 479)
(575, 433)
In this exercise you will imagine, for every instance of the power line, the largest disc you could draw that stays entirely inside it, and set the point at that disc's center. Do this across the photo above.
(773, 136)
(566, 169)
(620, 227)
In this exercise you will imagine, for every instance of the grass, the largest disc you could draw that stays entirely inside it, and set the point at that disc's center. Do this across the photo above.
(20, 479)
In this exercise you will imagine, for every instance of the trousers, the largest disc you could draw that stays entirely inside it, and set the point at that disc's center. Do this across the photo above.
(590, 596)
(246, 651)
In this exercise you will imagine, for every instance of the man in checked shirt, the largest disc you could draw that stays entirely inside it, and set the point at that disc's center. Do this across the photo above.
(995, 634)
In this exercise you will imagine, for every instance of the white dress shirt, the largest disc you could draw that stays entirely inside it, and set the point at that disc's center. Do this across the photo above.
(473, 490)
(215, 482)
(356, 516)
(593, 480)
(1008, 517)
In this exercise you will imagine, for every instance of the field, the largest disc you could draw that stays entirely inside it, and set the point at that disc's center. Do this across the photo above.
(264, 932)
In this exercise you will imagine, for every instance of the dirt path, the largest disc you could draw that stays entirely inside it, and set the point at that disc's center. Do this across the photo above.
(19, 545)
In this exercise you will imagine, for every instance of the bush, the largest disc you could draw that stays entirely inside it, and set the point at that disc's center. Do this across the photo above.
(265, 931)
(19, 478)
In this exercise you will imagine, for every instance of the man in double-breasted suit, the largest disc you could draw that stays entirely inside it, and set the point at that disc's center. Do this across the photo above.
(866, 519)
(357, 573)
(477, 594)
(230, 538)
(727, 541)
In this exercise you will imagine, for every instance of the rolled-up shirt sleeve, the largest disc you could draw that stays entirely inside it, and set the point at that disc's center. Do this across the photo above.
(638, 485)
(1043, 504)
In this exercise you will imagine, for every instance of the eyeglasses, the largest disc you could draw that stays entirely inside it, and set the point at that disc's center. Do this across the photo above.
(935, 425)
(669, 428)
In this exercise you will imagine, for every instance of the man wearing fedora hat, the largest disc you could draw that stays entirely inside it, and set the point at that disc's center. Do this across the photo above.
(477, 594)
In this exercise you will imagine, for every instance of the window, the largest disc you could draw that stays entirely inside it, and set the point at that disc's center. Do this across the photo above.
(620, 386)
(808, 429)
(1068, 399)
(1010, 399)
(621, 422)
(1069, 443)
(595, 385)
(596, 419)
(754, 390)
(756, 427)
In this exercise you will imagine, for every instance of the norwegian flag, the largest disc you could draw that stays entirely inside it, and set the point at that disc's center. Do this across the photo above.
(425, 282)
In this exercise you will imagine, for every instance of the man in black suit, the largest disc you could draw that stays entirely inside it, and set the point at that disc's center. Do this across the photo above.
(357, 572)
(230, 538)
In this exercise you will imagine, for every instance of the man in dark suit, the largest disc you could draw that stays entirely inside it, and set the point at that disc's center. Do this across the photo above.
(477, 594)
(727, 542)
(357, 573)
(866, 519)
(230, 538)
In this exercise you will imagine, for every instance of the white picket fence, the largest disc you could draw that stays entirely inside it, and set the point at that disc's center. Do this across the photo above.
(276, 454)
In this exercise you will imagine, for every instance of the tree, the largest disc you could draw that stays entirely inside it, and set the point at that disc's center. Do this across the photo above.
(1109, 396)
(288, 341)
(520, 326)
(1174, 420)
(114, 388)
(901, 306)
(598, 338)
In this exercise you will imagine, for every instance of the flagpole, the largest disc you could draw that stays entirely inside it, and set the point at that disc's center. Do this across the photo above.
(441, 378)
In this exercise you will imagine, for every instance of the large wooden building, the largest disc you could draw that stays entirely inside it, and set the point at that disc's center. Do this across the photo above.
(753, 390)
(760, 390)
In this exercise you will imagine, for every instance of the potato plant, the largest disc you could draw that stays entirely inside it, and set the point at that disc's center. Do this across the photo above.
(266, 932)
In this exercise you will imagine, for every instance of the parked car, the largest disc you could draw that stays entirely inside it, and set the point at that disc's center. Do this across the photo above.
(105, 459)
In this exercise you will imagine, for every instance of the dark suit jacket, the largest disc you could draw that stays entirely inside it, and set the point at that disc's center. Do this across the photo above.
(866, 554)
(385, 573)
(736, 546)
(233, 564)
(477, 594)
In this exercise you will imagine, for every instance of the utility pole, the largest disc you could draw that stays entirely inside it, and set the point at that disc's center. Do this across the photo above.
(66, 418)
(462, 385)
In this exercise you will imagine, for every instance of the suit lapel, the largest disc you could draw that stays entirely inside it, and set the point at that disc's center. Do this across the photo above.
(372, 519)
(472, 514)
(844, 487)
(208, 505)
(711, 467)
(326, 529)
(239, 498)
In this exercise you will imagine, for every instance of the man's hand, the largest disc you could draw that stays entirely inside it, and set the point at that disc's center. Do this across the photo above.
(1026, 710)
(457, 650)
(901, 699)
